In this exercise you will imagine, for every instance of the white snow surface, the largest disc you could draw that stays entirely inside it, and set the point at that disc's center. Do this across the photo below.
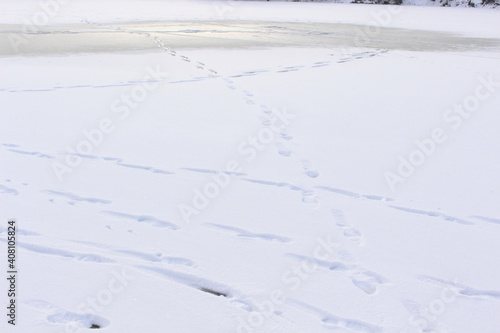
(246, 167)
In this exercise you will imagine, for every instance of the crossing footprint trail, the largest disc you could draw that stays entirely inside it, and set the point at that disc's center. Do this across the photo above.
(163, 266)
(266, 117)
(308, 194)
(126, 258)
(362, 278)
(283, 140)
(155, 264)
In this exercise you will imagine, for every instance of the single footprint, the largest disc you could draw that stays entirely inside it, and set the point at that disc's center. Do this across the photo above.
(71, 320)
(339, 217)
(283, 150)
(285, 136)
(352, 234)
(368, 281)
(309, 197)
(266, 120)
(265, 109)
(346, 256)
(347, 230)
(309, 170)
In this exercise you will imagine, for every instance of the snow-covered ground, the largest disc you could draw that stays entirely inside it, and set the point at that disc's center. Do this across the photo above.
(250, 167)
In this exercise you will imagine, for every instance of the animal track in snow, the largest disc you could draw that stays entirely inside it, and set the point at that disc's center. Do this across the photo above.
(86, 156)
(144, 256)
(90, 257)
(336, 322)
(155, 222)
(235, 297)
(248, 234)
(108, 158)
(147, 168)
(352, 234)
(7, 190)
(73, 321)
(340, 219)
(486, 219)
(321, 64)
(354, 194)
(309, 170)
(368, 281)
(307, 196)
(347, 230)
(283, 150)
(247, 93)
(191, 281)
(317, 64)
(120, 162)
(363, 279)
(267, 182)
(79, 86)
(433, 214)
(266, 119)
(362, 55)
(32, 153)
(286, 70)
(330, 265)
(462, 289)
(285, 136)
(214, 172)
(157, 257)
(340, 191)
(74, 197)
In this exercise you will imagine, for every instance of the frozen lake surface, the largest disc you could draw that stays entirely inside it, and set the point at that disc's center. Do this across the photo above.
(238, 172)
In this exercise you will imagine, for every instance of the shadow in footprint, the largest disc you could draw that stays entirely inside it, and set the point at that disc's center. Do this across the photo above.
(214, 292)
(71, 320)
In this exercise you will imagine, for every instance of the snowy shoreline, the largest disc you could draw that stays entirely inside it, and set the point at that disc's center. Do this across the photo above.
(478, 22)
